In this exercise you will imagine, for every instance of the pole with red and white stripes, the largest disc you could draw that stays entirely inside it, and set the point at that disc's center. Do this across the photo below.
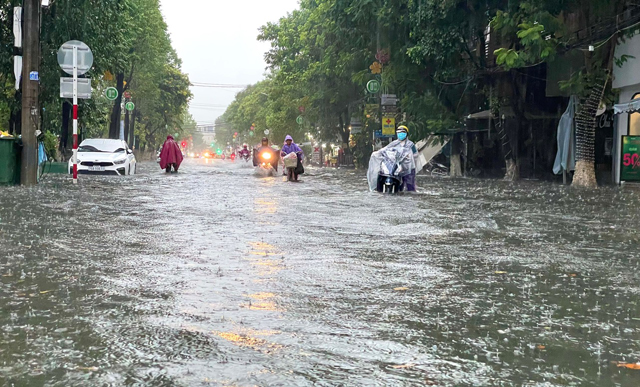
(75, 114)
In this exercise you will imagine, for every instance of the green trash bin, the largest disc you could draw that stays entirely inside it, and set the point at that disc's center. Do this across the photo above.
(9, 161)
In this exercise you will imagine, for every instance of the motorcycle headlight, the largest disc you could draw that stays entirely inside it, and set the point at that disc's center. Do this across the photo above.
(118, 162)
(266, 155)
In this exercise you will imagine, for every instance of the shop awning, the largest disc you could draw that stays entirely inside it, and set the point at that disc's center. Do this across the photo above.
(627, 107)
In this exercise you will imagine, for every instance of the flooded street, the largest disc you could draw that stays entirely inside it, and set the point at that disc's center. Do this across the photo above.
(217, 277)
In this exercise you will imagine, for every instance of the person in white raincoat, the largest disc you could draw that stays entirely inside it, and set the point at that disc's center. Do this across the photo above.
(407, 166)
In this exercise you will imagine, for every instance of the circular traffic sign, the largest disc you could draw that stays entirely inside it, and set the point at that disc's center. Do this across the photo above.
(111, 93)
(127, 94)
(373, 86)
(84, 57)
(300, 120)
(129, 106)
(250, 134)
(266, 132)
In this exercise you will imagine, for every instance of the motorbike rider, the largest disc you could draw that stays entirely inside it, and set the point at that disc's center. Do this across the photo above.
(264, 147)
(244, 152)
(170, 155)
(408, 180)
(291, 147)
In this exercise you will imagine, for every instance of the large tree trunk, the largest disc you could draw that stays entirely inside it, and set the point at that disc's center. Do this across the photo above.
(64, 131)
(455, 165)
(114, 125)
(127, 122)
(585, 174)
(511, 166)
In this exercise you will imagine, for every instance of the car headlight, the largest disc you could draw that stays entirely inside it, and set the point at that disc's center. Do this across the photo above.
(117, 162)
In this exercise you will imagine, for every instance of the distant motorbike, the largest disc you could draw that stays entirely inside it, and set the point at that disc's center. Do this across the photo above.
(291, 162)
(245, 156)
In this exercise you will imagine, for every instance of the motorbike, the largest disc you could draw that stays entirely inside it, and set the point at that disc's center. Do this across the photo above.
(291, 165)
(265, 162)
(386, 169)
(245, 156)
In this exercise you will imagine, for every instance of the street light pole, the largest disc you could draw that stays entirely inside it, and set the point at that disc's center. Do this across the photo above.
(30, 92)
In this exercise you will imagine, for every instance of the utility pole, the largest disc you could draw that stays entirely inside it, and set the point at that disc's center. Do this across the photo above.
(30, 92)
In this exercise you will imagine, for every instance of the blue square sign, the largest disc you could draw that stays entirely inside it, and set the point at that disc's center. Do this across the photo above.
(34, 76)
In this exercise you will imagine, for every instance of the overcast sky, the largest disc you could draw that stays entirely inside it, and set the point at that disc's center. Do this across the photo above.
(216, 40)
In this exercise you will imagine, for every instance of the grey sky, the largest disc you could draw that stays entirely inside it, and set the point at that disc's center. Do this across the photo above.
(216, 40)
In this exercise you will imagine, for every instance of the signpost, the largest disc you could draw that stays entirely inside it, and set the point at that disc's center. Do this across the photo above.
(75, 58)
(630, 162)
(388, 126)
(111, 93)
(300, 120)
(129, 106)
(373, 86)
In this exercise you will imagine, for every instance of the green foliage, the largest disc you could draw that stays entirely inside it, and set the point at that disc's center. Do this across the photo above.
(127, 37)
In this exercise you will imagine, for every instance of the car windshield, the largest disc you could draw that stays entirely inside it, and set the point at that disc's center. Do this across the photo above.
(93, 149)
(88, 148)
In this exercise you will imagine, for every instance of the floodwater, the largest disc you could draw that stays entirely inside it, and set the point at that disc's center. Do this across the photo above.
(217, 277)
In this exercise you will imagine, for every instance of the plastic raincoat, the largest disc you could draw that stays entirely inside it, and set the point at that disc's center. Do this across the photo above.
(385, 160)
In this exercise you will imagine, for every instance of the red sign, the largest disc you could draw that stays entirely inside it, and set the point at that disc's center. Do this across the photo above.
(127, 95)
(301, 109)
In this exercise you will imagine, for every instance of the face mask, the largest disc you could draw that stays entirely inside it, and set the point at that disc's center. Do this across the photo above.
(402, 136)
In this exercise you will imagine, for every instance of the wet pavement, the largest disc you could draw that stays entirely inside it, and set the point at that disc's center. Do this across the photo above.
(217, 277)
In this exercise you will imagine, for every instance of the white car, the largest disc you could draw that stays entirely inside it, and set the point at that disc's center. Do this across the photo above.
(102, 156)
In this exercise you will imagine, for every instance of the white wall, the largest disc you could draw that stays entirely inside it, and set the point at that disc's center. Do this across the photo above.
(629, 73)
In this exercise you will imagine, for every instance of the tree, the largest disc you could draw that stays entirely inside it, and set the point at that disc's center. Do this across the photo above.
(536, 33)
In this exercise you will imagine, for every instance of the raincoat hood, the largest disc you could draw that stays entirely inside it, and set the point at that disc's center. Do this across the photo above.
(288, 138)
(170, 137)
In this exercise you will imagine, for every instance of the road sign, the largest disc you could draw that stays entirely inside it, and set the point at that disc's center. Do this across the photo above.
(301, 109)
(300, 120)
(34, 76)
(129, 106)
(373, 86)
(630, 162)
(250, 134)
(127, 94)
(389, 99)
(388, 126)
(65, 57)
(84, 88)
(111, 93)
(266, 132)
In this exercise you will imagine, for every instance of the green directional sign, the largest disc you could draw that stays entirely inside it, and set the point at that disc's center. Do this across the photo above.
(300, 120)
(129, 106)
(373, 86)
(111, 93)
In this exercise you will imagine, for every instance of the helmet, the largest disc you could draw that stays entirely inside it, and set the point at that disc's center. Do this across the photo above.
(402, 128)
(244, 146)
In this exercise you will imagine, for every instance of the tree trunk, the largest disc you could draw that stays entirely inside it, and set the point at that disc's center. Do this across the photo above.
(114, 125)
(64, 131)
(455, 165)
(585, 174)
